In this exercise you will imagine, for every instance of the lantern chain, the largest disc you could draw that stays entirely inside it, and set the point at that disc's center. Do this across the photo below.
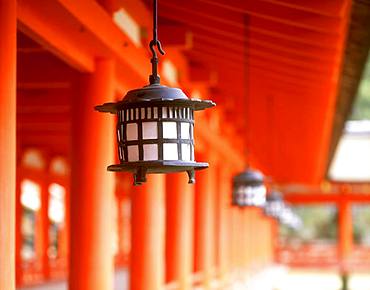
(154, 78)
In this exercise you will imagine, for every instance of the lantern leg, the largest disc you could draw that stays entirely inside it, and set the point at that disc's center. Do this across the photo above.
(191, 175)
(140, 176)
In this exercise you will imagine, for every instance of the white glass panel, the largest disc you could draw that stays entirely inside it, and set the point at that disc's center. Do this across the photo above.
(175, 112)
(185, 151)
(133, 153)
(164, 112)
(120, 153)
(155, 113)
(131, 131)
(170, 113)
(170, 151)
(182, 110)
(192, 152)
(169, 130)
(137, 114)
(150, 130)
(142, 113)
(118, 136)
(185, 131)
(149, 113)
(132, 114)
(150, 151)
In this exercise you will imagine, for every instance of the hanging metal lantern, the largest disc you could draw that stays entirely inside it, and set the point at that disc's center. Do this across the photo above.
(155, 129)
(274, 204)
(249, 189)
(288, 218)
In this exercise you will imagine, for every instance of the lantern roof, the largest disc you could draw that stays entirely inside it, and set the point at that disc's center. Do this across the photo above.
(155, 94)
(274, 196)
(249, 177)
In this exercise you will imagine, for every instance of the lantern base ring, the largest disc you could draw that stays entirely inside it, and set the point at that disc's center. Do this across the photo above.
(141, 168)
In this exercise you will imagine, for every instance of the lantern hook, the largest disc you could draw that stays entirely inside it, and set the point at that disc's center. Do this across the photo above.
(154, 78)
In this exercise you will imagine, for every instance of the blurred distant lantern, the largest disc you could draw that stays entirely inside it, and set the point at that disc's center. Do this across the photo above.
(249, 189)
(274, 204)
(290, 219)
(155, 129)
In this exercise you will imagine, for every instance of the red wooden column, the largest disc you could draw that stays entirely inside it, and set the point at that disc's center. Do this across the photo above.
(233, 246)
(8, 50)
(275, 232)
(245, 251)
(92, 187)
(18, 233)
(148, 235)
(224, 220)
(345, 242)
(45, 225)
(179, 230)
(204, 231)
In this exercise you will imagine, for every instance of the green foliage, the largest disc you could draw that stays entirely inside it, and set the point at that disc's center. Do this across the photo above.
(319, 223)
(361, 108)
(361, 224)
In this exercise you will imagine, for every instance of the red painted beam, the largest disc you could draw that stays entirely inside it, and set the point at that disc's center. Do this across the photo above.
(234, 29)
(283, 14)
(331, 8)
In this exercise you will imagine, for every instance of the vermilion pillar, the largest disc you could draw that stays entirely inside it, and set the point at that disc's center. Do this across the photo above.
(274, 239)
(224, 219)
(92, 187)
(8, 32)
(18, 233)
(179, 230)
(245, 252)
(345, 243)
(45, 225)
(148, 234)
(204, 232)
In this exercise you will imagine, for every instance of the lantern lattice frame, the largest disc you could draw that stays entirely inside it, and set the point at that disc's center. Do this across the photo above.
(158, 106)
(274, 204)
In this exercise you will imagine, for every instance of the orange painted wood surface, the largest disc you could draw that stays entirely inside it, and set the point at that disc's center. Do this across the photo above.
(92, 187)
(204, 227)
(345, 234)
(8, 22)
(179, 230)
(147, 262)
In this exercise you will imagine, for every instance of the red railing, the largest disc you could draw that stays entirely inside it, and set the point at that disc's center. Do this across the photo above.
(322, 256)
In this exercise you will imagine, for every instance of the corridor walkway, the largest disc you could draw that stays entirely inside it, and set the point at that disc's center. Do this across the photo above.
(120, 283)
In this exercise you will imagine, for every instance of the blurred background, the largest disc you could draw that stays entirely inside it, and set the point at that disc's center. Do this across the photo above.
(291, 80)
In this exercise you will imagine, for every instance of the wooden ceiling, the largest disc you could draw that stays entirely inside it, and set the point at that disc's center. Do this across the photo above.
(273, 66)
(278, 64)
